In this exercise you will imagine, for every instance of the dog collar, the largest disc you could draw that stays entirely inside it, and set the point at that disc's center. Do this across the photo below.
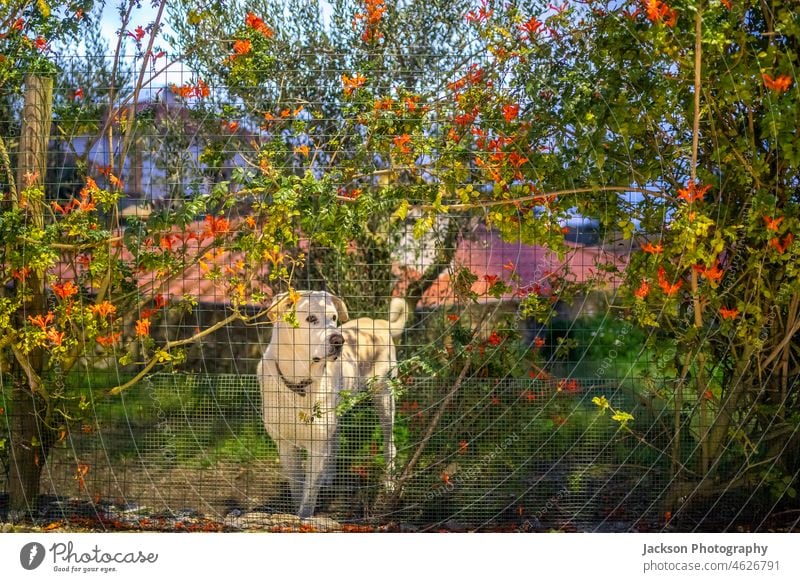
(296, 387)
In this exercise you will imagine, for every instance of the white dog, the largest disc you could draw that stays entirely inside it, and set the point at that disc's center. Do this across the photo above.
(309, 361)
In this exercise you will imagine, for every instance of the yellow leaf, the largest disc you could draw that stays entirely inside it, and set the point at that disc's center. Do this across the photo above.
(402, 210)
(622, 417)
(43, 8)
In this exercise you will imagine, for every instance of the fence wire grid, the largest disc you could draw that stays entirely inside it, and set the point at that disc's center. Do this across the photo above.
(501, 421)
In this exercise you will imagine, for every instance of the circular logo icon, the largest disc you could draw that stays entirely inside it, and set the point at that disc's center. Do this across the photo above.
(31, 555)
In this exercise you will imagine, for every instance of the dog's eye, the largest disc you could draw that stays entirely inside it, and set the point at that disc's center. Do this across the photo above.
(312, 319)
(333, 318)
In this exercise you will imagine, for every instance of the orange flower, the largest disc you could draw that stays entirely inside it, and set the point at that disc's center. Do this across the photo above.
(65, 290)
(779, 84)
(384, 104)
(21, 274)
(403, 143)
(242, 47)
(303, 150)
(668, 288)
(257, 24)
(55, 337)
(184, 91)
(658, 11)
(714, 274)
(108, 340)
(372, 15)
(652, 249)
(538, 342)
(142, 327)
(495, 339)
(642, 291)
(782, 246)
(510, 111)
(773, 223)
(446, 478)
(40, 43)
(216, 226)
(692, 193)
(728, 313)
(353, 83)
(42, 321)
(103, 309)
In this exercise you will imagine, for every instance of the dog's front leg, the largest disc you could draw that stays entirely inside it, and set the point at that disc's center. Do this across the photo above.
(384, 404)
(319, 458)
(292, 469)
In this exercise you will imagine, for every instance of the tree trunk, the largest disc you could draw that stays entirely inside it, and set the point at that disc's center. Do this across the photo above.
(31, 435)
(31, 441)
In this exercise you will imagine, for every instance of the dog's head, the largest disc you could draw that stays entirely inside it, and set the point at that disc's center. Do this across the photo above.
(312, 332)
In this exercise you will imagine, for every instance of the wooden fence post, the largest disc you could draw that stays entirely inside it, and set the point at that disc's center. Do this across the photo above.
(30, 435)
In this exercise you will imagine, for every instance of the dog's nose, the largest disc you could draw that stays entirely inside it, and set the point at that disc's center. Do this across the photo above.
(336, 340)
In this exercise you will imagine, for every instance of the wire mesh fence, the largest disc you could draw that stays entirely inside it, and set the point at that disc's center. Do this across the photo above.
(520, 395)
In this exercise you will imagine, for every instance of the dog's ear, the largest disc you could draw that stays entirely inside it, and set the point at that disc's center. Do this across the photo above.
(280, 305)
(341, 309)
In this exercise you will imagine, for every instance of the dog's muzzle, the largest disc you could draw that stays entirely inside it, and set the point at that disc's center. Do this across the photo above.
(335, 345)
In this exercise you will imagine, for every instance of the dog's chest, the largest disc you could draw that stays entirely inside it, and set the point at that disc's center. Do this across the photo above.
(300, 419)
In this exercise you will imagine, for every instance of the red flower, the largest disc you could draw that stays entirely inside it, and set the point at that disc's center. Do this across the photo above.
(483, 14)
(780, 84)
(216, 226)
(257, 24)
(160, 301)
(668, 288)
(352, 83)
(40, 43)
(403, 143)
(65, 290)
(510, 111)
(21, 274)
(143, 327)
(773, 223)
(495, 339)
(658, 11)
(782, 246)
(103, 309)
(692, 193)
(538, 342)
(642, 291)
(42, 321)
(652, 249)
(242, 47)
(108, 340)
(531, 26)
(728, 313)
(78, 93)
(55, 337)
